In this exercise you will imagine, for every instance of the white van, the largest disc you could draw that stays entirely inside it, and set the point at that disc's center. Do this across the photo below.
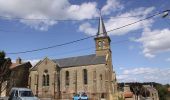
(21, 94)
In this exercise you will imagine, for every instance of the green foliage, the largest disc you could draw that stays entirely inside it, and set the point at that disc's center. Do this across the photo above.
(163, 91)
(2, 58)
(2, 55)
(4, 67)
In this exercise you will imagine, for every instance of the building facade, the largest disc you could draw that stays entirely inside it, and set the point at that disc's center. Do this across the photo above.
(92, 74)
(18, 76)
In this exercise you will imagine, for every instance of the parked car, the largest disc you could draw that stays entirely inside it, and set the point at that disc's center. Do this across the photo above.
(21, 94)
(80, 96)
(76, 97)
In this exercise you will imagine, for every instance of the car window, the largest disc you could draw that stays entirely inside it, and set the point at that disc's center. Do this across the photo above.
(16, 93)
(84, 95)
(26, 94)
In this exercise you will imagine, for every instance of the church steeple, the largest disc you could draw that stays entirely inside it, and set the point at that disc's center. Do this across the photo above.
(101, 28)
(102, 39)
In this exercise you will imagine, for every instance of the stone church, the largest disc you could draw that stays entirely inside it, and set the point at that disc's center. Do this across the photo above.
(92, 74)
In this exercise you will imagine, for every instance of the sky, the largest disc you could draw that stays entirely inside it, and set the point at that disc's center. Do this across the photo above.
(140, 52)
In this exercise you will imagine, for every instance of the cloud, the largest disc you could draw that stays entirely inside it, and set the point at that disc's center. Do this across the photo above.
(87, 28)
(142, 70)
(140, 13)
(111, 6)
(33, 61)
(122, 77)
(168, 59)
(145, 74)
(118, 21)
(46, 9)
(53, 9)
(83, 11)
(154, 42)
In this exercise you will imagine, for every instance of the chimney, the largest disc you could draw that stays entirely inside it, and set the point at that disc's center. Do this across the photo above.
(18, 60)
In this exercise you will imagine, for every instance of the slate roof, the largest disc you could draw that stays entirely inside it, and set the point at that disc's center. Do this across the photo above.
(76, 61)
(101, 28)
(80, 61)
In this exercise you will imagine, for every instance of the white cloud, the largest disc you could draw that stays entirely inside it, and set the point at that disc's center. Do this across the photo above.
(83, 11)
(141, 70)
(145, 74)
(46, 9)
(87, 28)
(111, 5)
(53, 9)
(121, 77)
(33, 61)
(140, 13)
(154, 42)
(117, 22)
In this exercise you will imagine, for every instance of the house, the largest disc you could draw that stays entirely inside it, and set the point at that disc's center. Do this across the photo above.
(18, 77)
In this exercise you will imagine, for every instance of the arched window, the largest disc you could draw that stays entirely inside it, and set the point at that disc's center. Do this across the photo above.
(67, 78)
(46, 78)
(47, 81)
(43, 80)
(85, 76)
(94, 75)
(103, 44)
(101, 81)
(101, 78)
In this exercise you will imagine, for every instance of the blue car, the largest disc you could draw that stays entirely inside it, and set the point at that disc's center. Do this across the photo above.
(80, 97)
(76, 97)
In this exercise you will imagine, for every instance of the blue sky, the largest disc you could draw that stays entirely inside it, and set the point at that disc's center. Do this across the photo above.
(144, 57)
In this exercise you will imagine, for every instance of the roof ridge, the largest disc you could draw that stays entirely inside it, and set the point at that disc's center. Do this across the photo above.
(74, 56)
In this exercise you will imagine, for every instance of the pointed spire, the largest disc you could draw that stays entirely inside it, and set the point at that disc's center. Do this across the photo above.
(101, 28)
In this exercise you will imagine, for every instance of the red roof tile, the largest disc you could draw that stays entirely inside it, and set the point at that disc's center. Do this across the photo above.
(169, 89)
(128, 94)
(13, 65)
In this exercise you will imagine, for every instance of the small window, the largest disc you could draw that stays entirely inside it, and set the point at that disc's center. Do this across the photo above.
(94, 75)
(101, 77)
(47, 81)
(16, 93)
(67, 78)
(45, 78)
(100, 44)
(85, 76)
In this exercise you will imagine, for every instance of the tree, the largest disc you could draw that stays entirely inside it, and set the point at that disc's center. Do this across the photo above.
(4, 68)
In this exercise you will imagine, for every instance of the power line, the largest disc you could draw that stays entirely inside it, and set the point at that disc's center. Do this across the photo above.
(58, 45)
(84, 49)
(68, 19)
(96, 18)
(63, 53)
(47, 19)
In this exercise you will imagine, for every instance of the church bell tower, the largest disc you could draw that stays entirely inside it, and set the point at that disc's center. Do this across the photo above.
(102, 40)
